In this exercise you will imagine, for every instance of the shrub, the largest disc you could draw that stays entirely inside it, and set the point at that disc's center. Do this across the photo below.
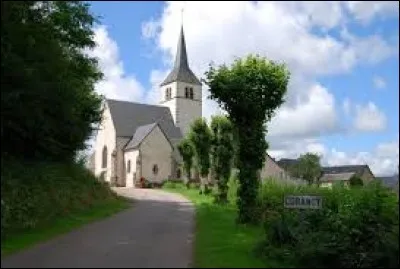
(34, 194)
(356, 228)
(356, 181)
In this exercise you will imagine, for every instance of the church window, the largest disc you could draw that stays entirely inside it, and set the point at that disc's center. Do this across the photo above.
(128, 166)
(186, 92)
(191, 93)
(178, 173)
(104, 158)
(168, 94)
(155, 169)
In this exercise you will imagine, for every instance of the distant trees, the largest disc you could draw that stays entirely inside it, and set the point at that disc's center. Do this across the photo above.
(250, 90)
(48, 104)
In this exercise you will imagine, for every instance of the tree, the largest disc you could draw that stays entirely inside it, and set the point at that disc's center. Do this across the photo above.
(186, 150)
(250, 90)
(308, 168)
(48, 104)
(222, 154)
(200, 137)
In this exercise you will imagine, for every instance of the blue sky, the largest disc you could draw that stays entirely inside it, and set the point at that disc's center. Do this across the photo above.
(343, 99)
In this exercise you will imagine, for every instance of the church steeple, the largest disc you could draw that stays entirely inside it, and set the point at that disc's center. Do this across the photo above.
(181, 71)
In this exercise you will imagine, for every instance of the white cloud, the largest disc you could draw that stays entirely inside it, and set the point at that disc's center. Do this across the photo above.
(369, 118)
(314, 117)
(280, 31)
(379, 82)
(116, 84)
(365, 11)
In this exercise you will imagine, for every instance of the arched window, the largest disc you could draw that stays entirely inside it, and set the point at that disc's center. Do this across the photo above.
(191, 93)
(104, 158)
(128, 166)
(166, 94)
(186, 92)
(155, 169)
(178, 173)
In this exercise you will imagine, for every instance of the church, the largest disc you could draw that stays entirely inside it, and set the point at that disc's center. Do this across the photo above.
(139, 140)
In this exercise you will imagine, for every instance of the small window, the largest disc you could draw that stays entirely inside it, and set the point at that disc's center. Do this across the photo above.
(128, 166)
(186, 92)
(178, 173)
(104, 158)
(155, 169)
(191, 93)
(168, 94)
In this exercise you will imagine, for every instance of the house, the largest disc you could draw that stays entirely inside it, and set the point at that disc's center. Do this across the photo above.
(344, 173)
(272, 169)
(333, 174)
(139, 140)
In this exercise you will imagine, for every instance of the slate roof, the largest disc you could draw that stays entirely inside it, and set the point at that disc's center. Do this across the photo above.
(128, 117)
(140, 134)
(336, 177)
(285, 163)
(344, 169)
(181, 71)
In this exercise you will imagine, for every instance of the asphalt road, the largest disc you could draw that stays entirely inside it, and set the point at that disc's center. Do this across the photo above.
(156, 232)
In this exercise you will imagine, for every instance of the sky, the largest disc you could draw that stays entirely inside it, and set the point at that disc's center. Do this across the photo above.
(343, 96)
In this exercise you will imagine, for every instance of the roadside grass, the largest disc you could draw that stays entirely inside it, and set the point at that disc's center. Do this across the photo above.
(219, 241)
(24, 239)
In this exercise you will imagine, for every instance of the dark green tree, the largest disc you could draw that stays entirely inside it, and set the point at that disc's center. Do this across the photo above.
(356, 181)
(200, 137)
(186, 150)
(308, 168)
(250, 90)
(222, 154)
(48, 104)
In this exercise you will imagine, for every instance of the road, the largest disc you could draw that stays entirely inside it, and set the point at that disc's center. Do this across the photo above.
(157, 231)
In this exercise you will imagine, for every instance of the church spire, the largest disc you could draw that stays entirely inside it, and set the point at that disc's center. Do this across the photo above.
(181, 71)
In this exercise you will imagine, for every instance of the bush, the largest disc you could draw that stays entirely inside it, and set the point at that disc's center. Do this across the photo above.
(356, 181)
(33, 194)
(356, 228)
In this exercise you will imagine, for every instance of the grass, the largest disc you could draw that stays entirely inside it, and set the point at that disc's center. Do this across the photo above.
(25, 239)
(219, 241)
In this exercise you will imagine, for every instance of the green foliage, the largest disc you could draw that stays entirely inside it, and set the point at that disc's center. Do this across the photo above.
(233, 186)
(186, 150)
(249, 90)
(221, 154)
(356, 181)
(48, 103)
(34, 194)
(356, 228)
(200, 137)
(308, 168)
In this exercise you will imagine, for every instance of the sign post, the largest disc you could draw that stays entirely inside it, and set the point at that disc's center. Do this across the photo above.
(303, 201)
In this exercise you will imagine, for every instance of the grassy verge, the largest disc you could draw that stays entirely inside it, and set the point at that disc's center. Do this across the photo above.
(219, 242)
(40, 200)
(62, 225)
